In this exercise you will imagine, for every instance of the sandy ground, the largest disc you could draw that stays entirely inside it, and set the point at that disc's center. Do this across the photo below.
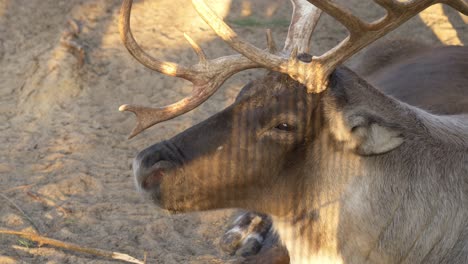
(64, 157)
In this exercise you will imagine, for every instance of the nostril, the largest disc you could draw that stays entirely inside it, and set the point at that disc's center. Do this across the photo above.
(150, 178)
(153, 180)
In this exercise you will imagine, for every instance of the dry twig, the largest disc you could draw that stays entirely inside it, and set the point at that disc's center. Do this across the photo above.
(21, 211)
(73, 247)
(17, 188)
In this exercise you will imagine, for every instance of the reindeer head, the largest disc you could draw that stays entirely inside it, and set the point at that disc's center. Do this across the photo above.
(262, 150)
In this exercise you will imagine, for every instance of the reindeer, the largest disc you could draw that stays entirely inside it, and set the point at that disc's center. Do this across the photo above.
(347, 168)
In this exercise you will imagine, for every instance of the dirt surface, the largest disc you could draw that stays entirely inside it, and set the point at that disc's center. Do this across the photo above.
(64, 157)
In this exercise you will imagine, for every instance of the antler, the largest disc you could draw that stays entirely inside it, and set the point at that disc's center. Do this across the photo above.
(314, 75)
(304, 19)
(207, 75)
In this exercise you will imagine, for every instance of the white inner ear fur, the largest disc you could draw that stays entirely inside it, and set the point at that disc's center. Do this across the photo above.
(366, 138)
(376, 139)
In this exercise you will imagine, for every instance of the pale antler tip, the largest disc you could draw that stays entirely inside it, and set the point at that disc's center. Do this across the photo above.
(124, 107)
(133, 134)
(198, 50)
(139, 127)
(187, 37)
(270, 41)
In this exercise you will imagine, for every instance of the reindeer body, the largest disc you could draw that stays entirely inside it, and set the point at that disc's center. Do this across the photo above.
(418, 75)
(366, 179)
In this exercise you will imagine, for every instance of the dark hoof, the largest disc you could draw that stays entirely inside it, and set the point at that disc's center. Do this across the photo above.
(250, 247)
(246, 235)
(231, 242)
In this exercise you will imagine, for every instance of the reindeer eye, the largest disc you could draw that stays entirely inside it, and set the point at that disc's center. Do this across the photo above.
(285, 127)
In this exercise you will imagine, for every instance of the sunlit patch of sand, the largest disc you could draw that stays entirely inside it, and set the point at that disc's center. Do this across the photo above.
(246, 8)
(182, 20)
(7, 260)
(48, 252)
(3, 7)
(12, 220)
(435, 18)
(272, 8)
(52, 84)
(75, 185)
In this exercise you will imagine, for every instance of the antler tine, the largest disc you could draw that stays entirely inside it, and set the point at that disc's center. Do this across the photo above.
(270, 41)
(303, 22)
(198, 50)
(206, 76)
(344, 16)
(392, 5)
(238, 44)
(137, 52)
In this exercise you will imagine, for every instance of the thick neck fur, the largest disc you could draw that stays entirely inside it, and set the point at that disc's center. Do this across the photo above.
(407, 205)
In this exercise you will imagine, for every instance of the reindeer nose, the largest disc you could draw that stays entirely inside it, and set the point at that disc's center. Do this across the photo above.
(148, 176)
(151, 165)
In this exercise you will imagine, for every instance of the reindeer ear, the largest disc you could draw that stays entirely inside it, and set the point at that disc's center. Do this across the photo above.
(364, 133)
(360, 116)
(373, 137)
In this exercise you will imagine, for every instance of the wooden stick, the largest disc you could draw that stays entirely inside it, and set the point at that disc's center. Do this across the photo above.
(73, 247)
